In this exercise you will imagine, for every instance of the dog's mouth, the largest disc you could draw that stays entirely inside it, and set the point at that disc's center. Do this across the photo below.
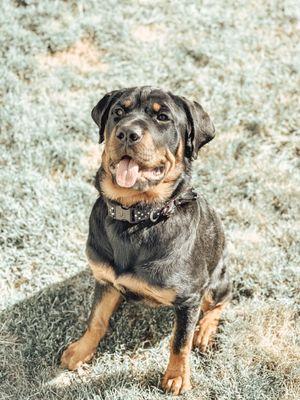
(128, 171)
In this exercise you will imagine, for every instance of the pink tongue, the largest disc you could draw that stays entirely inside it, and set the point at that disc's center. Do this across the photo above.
(127, 172)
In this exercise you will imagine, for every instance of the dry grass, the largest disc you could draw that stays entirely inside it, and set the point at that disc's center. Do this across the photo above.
(83, 56)
(239, 59)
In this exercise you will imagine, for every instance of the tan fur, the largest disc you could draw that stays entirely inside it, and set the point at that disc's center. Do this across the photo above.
(146, 148)
(177, 376)
(156, 194)
(83, 350)
(156, 107)
(103, 273)
(207, 302)
(152, 294)
(127, 103)
(208, 325)
(144, 152)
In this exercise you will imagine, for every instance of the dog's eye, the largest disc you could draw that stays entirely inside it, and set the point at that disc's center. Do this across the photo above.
(119, 111)
(163, 117)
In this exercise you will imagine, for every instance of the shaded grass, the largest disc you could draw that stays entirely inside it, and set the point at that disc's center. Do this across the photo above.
(256, 355)
(57, 59)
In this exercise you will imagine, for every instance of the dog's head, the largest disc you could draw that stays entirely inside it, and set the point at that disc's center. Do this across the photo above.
(151, 136)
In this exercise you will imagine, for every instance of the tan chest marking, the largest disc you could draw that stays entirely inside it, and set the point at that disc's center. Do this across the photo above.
(105, 273)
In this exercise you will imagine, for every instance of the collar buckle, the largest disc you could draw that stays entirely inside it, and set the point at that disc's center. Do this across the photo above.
(123, 214)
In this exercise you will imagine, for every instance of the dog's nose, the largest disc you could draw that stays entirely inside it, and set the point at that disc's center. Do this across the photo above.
(128, 135)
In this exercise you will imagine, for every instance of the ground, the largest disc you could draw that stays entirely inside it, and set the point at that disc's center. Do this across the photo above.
(239, 59)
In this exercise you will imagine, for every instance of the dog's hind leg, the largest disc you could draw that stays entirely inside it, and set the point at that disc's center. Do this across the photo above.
(208, 324)
(106, 300)
(214, 300)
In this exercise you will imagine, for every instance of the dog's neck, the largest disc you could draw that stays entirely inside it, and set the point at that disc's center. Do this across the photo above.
(149, 213)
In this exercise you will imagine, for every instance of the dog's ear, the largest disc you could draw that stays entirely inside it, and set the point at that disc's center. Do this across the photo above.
(101, 110)
(200, 129)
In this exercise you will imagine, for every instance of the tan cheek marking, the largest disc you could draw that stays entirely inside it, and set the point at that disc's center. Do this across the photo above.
(170, 164)
(158, 193)
(161, 192)
(174, 164)
(156, 107)
(105, 160)
(147, 140)
(179, 153)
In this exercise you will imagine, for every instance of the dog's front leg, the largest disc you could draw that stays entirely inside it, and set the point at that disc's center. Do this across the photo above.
(106, 300)
(177, 376)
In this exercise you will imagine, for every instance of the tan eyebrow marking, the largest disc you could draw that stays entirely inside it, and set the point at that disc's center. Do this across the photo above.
(127, 103)
(156, 107)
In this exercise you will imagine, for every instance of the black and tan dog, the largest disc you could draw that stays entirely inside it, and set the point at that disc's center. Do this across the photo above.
(151, 237)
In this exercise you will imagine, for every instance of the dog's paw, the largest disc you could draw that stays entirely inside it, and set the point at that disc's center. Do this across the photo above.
(176, 383)
(76, 354)
(204, 333)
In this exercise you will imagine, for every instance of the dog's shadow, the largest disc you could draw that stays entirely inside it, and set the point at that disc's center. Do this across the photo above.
(38, 329)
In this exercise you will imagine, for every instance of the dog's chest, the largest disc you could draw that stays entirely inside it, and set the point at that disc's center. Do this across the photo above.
(136, 257)
(136, 246)
(132, 286)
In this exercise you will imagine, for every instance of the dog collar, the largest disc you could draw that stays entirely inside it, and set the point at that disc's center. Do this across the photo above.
(146, 212)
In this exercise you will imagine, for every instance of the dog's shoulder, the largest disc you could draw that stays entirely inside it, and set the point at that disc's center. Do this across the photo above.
(97, 236)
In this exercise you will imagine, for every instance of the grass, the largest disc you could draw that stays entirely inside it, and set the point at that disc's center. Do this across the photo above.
(57, 59)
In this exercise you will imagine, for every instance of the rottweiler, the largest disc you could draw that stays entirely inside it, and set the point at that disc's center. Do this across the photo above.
(152, 238)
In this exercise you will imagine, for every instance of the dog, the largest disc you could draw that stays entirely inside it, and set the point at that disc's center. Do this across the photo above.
(152, 238)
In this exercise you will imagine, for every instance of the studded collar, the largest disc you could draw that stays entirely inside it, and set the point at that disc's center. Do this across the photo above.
(147, 212)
